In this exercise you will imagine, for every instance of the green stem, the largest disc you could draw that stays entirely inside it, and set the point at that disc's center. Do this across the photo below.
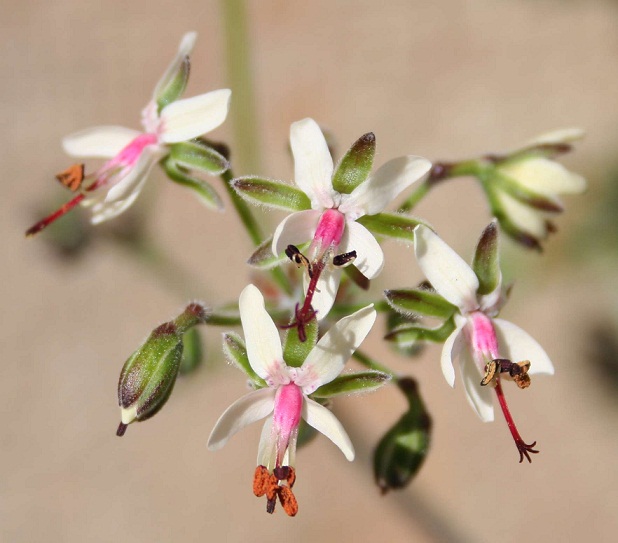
(244, 118)
(253, 228)
(241, 207)
(368, 362)
(442, 171)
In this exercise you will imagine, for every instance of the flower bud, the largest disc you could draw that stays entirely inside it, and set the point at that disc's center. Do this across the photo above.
(402, 450)
(148, 376)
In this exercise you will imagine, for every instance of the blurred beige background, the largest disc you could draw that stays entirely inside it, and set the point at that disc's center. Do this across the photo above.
(442, 79)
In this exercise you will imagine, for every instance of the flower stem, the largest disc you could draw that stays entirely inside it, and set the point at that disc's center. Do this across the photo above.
(441, 171)
(244, 118)
(253, 228)
(370, 363)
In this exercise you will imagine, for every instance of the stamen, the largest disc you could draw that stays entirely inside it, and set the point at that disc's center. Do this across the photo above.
(491, 368)
(344, 259)
(518, 371)
(294, 254)
(265, 483)
(524, 449)
(72, 177)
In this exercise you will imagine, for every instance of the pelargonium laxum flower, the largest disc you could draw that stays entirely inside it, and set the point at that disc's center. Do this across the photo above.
(487, 347)
(130, 153)
(284, 399)
(328, 202)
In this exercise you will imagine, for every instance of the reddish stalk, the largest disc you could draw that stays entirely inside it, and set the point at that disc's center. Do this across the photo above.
(524, 448)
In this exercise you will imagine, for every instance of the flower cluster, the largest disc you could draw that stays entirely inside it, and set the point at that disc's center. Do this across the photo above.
(292, 354)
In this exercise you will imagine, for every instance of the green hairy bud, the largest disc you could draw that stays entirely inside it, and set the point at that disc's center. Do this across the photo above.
(403, 449)
(148, 376)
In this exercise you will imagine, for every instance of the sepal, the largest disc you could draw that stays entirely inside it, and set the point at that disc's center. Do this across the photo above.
(207, 195)
(196, 155)
(353, 383)
(192, 352)
(356, 164)
(486, 262)
(408, 335)
(235, 352)
(413, 302)
(392, 225)
(403, 449)
(263, 257)
(296, 351)
(275, 194)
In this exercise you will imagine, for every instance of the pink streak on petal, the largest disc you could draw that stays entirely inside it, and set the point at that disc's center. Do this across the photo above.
(115, 168)
(329, 230)
(286, 416)
(483, 337)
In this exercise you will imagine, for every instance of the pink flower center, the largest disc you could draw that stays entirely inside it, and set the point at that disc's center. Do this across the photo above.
(482, 337)
(286, 417)
(328, 232)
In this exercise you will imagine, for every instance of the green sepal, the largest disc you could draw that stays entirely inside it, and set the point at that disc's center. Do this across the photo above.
(409, 335)
(533, 199)
(392, 225)
(196, 155)
(486, 262)
(296, 351)
(192, 351)
(394, 321)
(148, 376)
(263, 257)
(172, 87)
(275, 194)
(403, 449)
(411, 302)
(356, 164)
(235, 352)
(353, 383)
(204, 191)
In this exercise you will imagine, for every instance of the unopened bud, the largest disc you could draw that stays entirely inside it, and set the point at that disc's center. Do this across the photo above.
(148, 376)
(402, 450)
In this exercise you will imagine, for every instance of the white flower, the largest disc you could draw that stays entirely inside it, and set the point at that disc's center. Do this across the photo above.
(331, 224)
(531, 183)
(130, 153)
(285, 400)
(479, 338)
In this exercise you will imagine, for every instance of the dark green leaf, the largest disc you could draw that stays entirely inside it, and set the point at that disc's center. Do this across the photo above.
(392, 225)
(353, 383)
(275, 194)
(412, 302)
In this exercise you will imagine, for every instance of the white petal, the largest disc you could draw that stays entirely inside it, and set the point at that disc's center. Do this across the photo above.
(546, 177)
(556, 137)
(250, 408)
(295, 229)
(186, 119)
(384, 185)
(98, 141)
(328, 357)
(517, 346)
(313, 165)
(524, 217)
(326, 290)
(369, 256)
(325, 422)
(184, 49)
(267, 449)
(445, 269)
(480, 398)
(123, 194)
(261, 336)
(450, 351)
